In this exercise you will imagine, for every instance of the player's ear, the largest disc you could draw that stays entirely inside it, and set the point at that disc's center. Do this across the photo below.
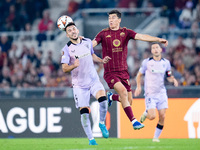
(120, 20)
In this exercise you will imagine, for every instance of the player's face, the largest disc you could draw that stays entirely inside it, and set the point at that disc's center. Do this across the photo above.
(72, 32)
(156, 50)
(114, 21)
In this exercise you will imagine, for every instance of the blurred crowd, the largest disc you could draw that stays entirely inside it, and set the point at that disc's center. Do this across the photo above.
(25, 67)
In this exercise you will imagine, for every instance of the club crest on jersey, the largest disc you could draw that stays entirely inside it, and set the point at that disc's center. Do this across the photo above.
(116, 43)
(122, 34)
(112, 81)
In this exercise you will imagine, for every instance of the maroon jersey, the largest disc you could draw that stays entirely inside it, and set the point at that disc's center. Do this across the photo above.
(114, 44)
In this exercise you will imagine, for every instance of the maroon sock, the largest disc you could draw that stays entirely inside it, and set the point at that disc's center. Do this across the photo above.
(115, 97)
(129, 113)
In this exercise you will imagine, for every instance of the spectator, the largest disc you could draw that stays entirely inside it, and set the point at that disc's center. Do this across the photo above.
(43, 27)
(5, 44)
(27, 30)
(180, 46)
(88, 4)
(186, 17)
(6, 75)
(72, 7)
(3, 59)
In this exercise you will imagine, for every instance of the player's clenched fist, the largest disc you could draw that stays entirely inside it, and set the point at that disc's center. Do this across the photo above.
(163, 41)
(137, 91)
(106, 59)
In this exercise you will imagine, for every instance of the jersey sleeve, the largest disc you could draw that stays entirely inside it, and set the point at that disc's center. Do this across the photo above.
(131, 33)
(98, 37)
(65, 55)
(168, 65)
(168, 69)
(143, 67)
(92, 50)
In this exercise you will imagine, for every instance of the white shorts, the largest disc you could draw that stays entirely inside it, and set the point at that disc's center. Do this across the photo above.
(159, 102)
(82, 95)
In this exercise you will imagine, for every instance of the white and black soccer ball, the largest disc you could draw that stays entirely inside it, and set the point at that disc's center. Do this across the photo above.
(63, 21)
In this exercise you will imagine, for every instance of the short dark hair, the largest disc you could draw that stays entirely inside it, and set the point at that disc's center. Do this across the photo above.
(70, 24)
(117, 12)
(152, 43)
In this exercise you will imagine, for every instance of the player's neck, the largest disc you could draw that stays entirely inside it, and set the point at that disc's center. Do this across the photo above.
(158, 58)
(76, 41)
(115, 28)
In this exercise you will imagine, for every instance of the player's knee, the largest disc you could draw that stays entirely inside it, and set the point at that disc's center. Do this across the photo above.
(152, 117)
(123, 94)
(102, 98)
(84, 110)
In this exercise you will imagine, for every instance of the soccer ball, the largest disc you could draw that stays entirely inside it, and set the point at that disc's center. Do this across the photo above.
(63, 21)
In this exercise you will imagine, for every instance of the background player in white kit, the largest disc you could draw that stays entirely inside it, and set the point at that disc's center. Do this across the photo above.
(155, 69)
(77, 58)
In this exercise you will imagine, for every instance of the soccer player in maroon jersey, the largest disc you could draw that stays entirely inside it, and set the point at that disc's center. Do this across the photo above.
(114, 41)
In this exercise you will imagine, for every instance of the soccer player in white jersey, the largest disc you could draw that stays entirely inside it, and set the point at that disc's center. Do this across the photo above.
(155, 69)
(77, 58)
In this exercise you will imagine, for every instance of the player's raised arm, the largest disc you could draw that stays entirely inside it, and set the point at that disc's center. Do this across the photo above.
(138, 82)
(148, 38)
(68, 68)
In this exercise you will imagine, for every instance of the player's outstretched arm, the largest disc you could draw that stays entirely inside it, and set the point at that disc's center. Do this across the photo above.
(148, 38)
(138, 82)
(98, 59)
(68, 68)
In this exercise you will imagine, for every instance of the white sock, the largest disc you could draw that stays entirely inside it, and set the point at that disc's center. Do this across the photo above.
(103, 108)
(134, 121)
(157, 133)
(85, 121)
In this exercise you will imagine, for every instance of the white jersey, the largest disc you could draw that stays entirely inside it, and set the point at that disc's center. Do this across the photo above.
(85, 75)
(154, 72)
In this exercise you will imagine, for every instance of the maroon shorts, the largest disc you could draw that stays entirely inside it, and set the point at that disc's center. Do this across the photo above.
(117, 76)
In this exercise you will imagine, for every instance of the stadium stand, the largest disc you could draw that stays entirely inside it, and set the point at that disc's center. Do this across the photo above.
(29, 57)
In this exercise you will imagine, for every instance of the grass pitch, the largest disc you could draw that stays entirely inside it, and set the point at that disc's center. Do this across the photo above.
(104, 144)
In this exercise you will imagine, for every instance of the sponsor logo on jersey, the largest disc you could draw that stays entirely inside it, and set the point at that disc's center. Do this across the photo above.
(108, 36)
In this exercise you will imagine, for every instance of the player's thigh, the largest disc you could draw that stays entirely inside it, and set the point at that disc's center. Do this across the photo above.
(98, 90)
(162, 113)
(81, 97)
(120, 89)
(152, 113)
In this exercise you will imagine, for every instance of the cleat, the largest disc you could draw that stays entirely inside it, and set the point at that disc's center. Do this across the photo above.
(92, 142)
(155, 140)
(137, 125)
(109, 99)
(143, 117)
(104, 130)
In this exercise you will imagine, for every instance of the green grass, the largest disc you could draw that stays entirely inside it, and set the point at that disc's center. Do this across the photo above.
(104, 144)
